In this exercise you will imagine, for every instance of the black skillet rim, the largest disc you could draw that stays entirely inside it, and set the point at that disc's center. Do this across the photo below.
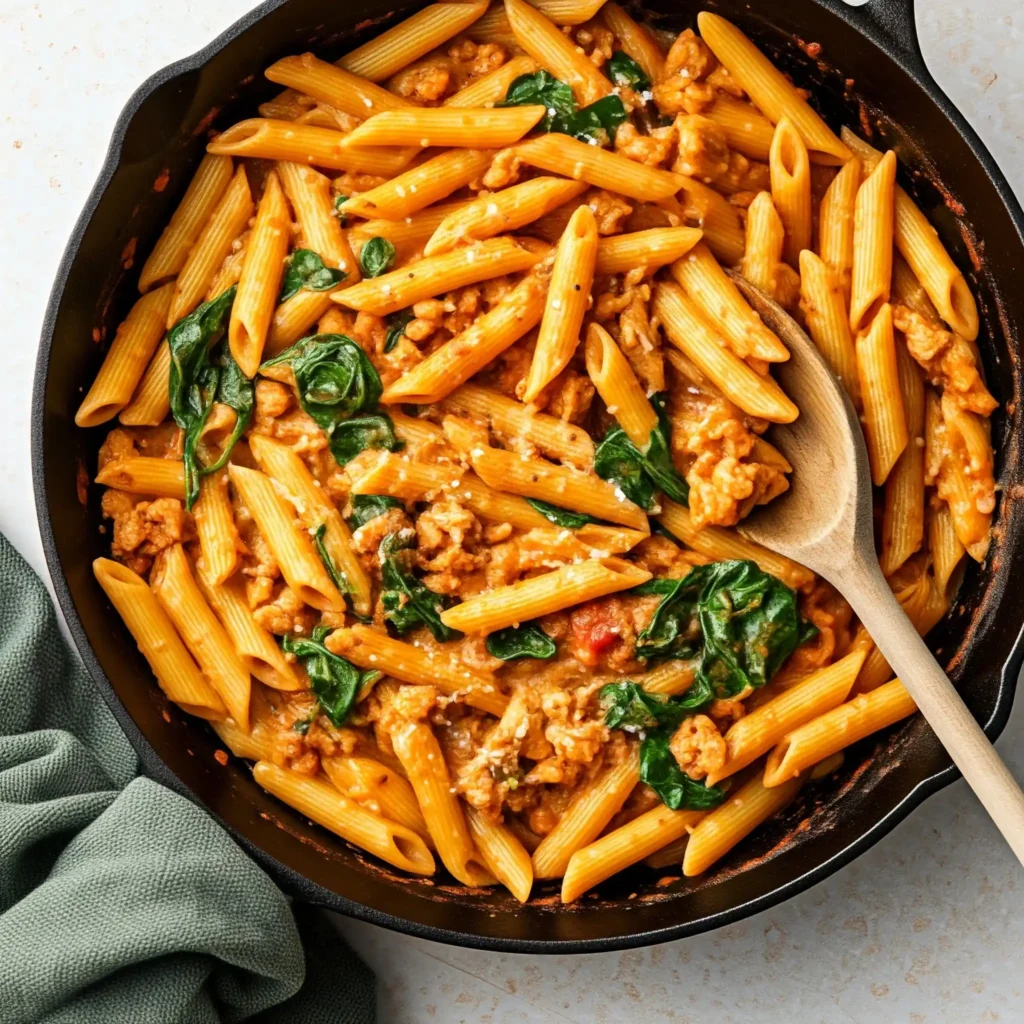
(902, 48)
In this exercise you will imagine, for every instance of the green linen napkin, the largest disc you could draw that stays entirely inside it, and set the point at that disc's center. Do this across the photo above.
(121, 901)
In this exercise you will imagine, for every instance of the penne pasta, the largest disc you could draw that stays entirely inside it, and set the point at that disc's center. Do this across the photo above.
(175, 671)
(293, 319)
(150, 404)
(791, 189)
(378, 788)
(746, 130)
(140, 474)
(872, 244)
(885, 423)
(446, 126)
(762, 251)
(436, 274)
(568, 296)
(127, 358)
(355, 95)
(195, 209)
(635, 40)
(618, 387)
(836, 222)
(492, 87)
(944, 546)
(770, 90)
(656, 247)
(315, 798)
(215, 527)
(502, 853)
(541, 595)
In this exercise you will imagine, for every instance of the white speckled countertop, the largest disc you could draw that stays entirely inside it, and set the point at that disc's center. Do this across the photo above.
(925, 927)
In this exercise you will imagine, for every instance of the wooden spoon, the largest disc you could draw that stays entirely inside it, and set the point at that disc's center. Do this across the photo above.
(825, 522)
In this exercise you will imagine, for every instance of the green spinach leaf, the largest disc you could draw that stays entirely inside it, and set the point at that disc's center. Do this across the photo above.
(368, 506)
(627, 73)
(338, 578)
(674, 629)
(595, 123)
(339, 202)
(660, 770)
(201, 375)
(376, 257)
(561, 516)
(336, 379)
(306, 270)
(525, 641)
(334, 680)
(407, 601)
(396, 325)
(627, 705)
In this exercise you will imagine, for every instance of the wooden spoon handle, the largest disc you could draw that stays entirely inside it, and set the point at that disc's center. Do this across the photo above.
(965, 741)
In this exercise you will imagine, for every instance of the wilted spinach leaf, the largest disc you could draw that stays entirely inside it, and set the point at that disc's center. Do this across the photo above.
(674, 629)
(338, 578)
(660, 770)
(306, 270)
(561, 516)
(368, 506)
(333, 679)
(626, 72)
(407, 601)
(200, 376)
(376, 257)
(595, 123)
(640, 474)
(336, 379)
(396, 325)
(339, 202)
(525, 641)
(627, 705)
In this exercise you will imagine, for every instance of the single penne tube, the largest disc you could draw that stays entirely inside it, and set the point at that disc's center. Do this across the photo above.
(315, 798)
(260, 283)
(770, 455)
(418, 432)
(293, 319)
(762, 252)
(618, 387)
(558, 485)
(835, 223)
(721, 544)
(215, 527)
(837, 729)
(253, 746)
(150, 403)
(540, 595)
(228, 220)
(903, 514)
(290, 544)
(509, 419)
(885, 422)
(328, 83)
(768, 88)
(127, 358)
(711, 290)
(434, 275)
(266, 139)
(569, 12)
(746, 130)
(256, 648)
(760, 730)
(555, 52)
(196, 206)
(404, 478)
(230, 270)
(378, 787)
(918, 243)
(451, 365)
(655, 247)
(944, 546)
(572, 277)
(714, 215)
(424, 184)
(720, 830)
(587, 815)
(634, 39)
(872, 244)
(176, 590)
(824, 309)
(410, 39)
(791, 188)
(503, 854)
(175, 671)
(629, 844)
(701, 342)
(418, 666)
(500, 212)
(908, 291)
(309, 193)
(141, 474)
(492, 87)
(670, 678)
(670, 855)
(494, 27)
(599, 167)
(408, 235)
(489, 128)
(314, 508)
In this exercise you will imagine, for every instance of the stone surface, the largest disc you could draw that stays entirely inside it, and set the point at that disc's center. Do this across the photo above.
(926, 927)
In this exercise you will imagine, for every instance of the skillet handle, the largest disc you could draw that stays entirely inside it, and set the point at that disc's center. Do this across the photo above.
(892, 24)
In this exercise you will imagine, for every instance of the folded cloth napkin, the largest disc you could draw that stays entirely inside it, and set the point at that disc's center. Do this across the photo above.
(121, 901)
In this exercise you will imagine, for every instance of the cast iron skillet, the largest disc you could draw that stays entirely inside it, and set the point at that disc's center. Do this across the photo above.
(156, 145)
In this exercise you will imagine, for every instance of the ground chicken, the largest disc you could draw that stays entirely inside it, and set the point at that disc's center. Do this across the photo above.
(682, 87)
(652, 149)
(428, 313)
(610, 210)
(946, 358)
(144, 529)
(448, 537)
(569, 396)
(352, 184)
(704, 154)
(285, 613)
(471, 60)
(117, 445)
(273, 399)
(424, 82)
(597, 42)
(504, 170)
(367, 538)
(698, 747)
